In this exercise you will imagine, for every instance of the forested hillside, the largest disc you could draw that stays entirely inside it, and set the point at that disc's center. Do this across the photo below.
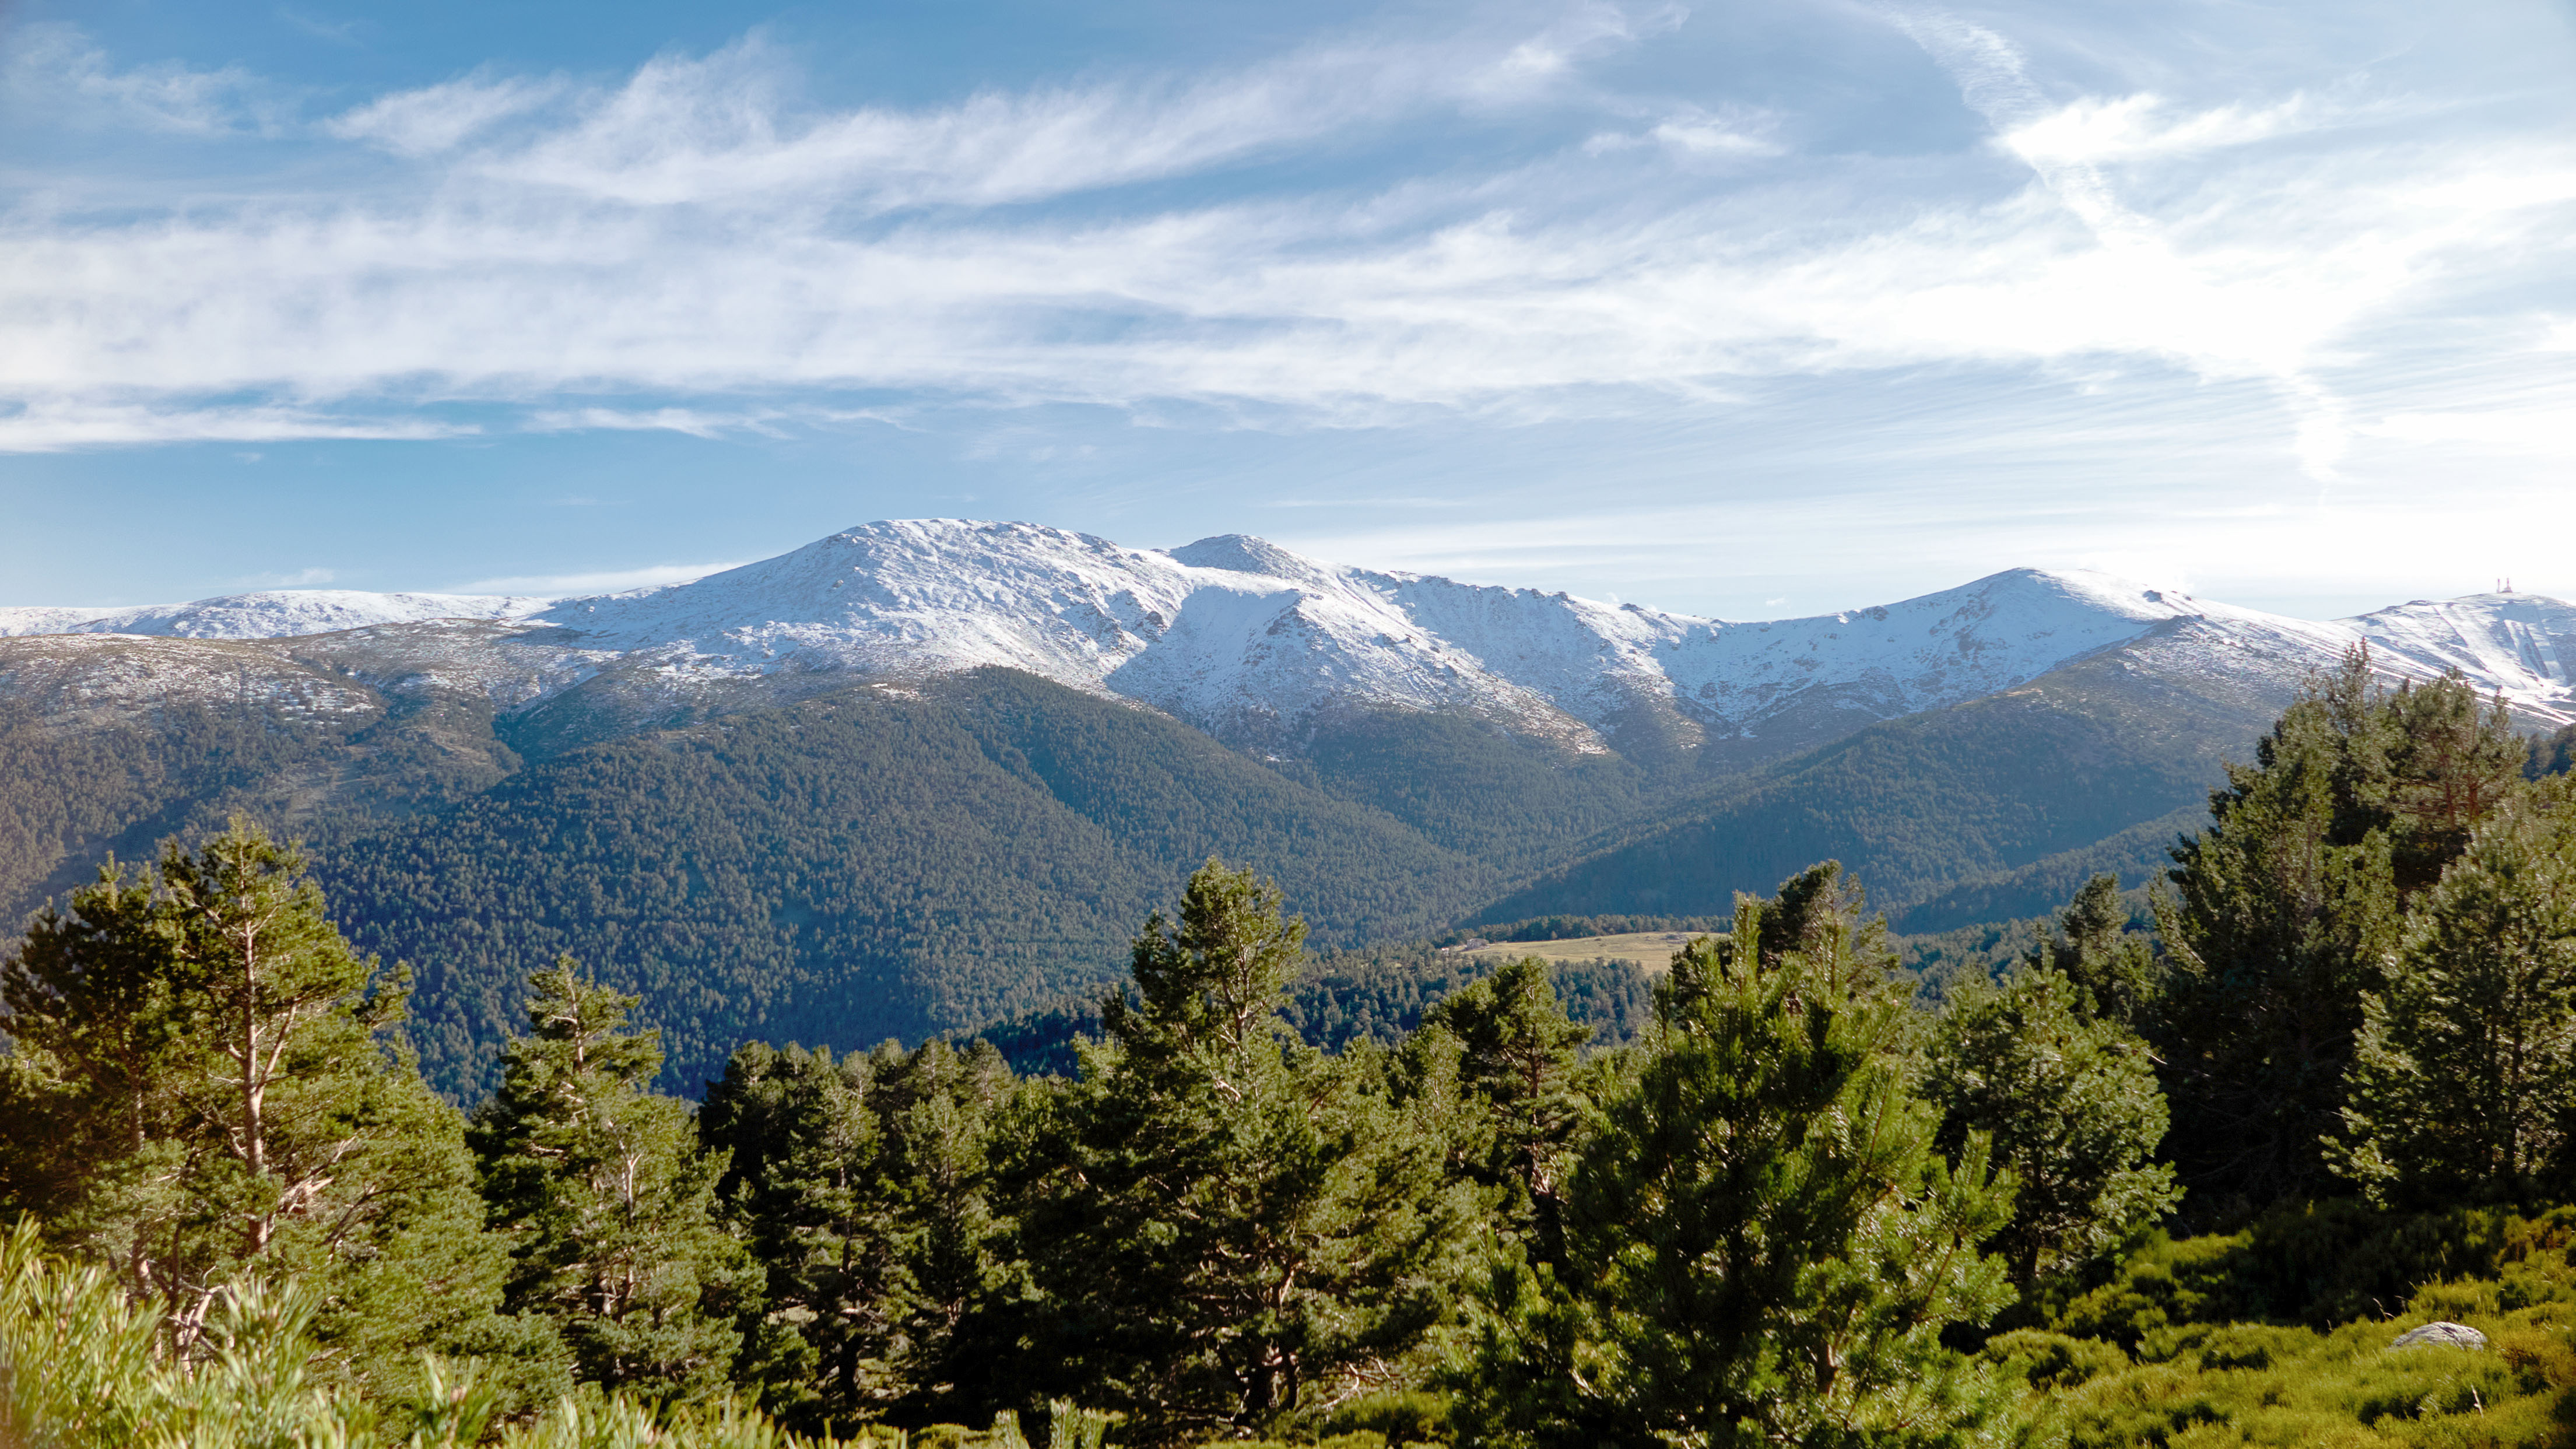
(2009, 800)
(873, 862)
(852, 868)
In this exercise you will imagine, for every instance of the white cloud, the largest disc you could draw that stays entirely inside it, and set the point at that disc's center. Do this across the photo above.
(1708, 136)
(55, 424)
(52, 59)
(2544, 431)
(720, 130)
(691, 238)
(2198, 298)
(609, 581)
(437, 118)
(2131, 127)
(692, 421)
(1693, 131)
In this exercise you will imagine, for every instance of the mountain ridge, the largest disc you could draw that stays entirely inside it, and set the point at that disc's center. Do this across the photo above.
(1261, 646)
(773, 811)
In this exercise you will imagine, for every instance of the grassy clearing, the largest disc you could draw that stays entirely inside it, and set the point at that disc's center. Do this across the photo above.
(1651, 951)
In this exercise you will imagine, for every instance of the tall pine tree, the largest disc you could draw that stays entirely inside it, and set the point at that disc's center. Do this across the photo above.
(1228, 1223)
(2095, 949)
(2463, 1081)
(606, 1203)
(207, 1083)
(1518, 1068)
(2285, 911)
(2070, 1102)
(1762, 1245)
(861, 1184)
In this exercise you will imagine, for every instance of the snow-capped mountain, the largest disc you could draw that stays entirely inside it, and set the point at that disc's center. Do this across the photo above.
(2522, 644)
(1252, 641)
(269, 614)
(1259, 645)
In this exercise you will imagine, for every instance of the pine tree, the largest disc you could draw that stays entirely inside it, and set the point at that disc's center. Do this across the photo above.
(1226, 1222)
(2069, 1101)
(861, 1186)
(2442, 761)
(2283, 911)
(100, 1042)
(2463, 1082)
(2288, 906)
(1762, 1245)
(2116, 969)
(219, 1090)
(608, 1207)
(1822, 913)
(1517, 1062)
(947, 1115)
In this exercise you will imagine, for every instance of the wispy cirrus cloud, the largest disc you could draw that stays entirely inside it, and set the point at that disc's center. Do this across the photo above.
(438, 118)
(721, 130)
(54, 424)
(52, 60)
(697, 238)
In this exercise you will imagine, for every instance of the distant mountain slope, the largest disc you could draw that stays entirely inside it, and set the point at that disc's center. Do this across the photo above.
(272, 614)
(2521, 644)
(854, 867)
(1991, 807)
(867, 863)
(1272, 651)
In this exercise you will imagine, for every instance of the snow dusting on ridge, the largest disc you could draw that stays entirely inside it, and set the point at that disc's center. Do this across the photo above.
(270, 614)
(2522, 644)
(1256, 643)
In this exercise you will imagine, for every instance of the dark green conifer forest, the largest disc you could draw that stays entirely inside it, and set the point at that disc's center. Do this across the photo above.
(2173, 1168)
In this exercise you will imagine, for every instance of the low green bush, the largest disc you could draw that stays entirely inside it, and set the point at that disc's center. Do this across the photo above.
(1400, 1419)
(2211, 1341)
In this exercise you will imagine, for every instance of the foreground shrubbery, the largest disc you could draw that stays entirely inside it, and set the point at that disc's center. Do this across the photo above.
(81, 1367)
(2245, 1339)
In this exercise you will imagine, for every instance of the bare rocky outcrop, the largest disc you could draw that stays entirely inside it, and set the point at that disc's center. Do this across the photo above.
(2442, 1335)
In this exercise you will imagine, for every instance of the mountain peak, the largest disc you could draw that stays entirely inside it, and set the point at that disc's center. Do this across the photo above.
(1241, 553)
(1248, 639)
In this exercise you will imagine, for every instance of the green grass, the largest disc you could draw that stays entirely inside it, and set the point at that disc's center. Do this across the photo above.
(2168, 1353)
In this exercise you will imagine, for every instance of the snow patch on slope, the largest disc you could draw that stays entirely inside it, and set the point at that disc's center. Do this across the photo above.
(270, 614)
(1232, 634)
(2522, 644)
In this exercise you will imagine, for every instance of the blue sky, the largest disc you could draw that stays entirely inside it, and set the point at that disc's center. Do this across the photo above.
(1754, 309)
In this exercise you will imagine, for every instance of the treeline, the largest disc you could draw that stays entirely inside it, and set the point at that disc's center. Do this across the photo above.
(1799, 1208)
(1378, 994)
